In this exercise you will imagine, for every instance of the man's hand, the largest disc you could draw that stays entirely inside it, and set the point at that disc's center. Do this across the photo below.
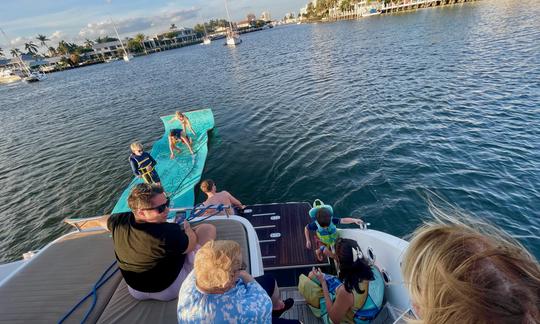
(308, 245)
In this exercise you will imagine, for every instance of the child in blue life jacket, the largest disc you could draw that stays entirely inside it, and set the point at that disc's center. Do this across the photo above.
(143, 164)
(324, 224)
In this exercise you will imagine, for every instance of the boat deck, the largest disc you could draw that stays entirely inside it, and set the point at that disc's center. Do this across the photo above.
(300, 310)
(280, 228)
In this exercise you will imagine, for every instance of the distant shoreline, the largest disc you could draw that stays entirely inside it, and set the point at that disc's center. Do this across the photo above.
(390, 8)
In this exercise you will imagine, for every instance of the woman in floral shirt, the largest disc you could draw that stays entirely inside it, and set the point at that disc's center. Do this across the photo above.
(219, 290)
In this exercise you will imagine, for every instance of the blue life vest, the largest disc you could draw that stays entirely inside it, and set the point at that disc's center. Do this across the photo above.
(327, 235)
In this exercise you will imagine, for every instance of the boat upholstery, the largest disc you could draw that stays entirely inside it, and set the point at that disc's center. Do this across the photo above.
(123, 308)
(46, 288)
(57, 278)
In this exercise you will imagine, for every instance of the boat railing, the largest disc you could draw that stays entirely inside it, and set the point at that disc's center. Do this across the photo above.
(192, 214)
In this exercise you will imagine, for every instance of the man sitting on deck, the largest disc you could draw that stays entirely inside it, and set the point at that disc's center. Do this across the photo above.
(216, 198)
(153, 255)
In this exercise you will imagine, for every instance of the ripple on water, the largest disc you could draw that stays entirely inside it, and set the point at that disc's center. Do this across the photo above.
(372, 116)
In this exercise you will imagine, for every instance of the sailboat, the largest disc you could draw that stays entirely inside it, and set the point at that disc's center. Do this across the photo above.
(233, 38)
(206, 40)
(127, 56)
(29, 76)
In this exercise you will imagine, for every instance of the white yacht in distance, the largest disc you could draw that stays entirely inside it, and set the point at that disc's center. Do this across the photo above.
(233, 38)
(127, 56)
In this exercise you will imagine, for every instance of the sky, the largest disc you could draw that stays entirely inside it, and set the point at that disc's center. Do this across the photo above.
(78, 20)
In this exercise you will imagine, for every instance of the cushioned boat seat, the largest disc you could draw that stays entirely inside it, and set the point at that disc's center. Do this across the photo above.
(61, 275)
(123, 308)
(57, 278)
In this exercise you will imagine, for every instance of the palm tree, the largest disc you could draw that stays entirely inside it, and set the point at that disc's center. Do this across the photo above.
(88, 43)
(140, 38)
(52, 51)
(63, 47)
(15, 52)
(31, 48)
(1, 52)
(173, 27)
(42, 40)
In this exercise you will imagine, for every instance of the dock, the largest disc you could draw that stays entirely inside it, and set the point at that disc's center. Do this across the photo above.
(363, 9)
(400, 6)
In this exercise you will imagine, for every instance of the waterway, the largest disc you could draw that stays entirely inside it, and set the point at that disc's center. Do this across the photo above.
(374, 116)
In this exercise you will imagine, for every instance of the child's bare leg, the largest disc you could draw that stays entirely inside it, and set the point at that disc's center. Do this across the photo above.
(188, 144)
(319, 254)
(328, 252)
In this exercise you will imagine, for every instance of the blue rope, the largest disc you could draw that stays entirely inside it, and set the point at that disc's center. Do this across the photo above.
(100, 282)
(219, 208)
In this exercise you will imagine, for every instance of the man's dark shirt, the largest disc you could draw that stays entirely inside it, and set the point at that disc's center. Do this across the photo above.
(150, 255)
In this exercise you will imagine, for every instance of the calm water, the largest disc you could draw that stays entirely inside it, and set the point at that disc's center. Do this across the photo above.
(372, 116)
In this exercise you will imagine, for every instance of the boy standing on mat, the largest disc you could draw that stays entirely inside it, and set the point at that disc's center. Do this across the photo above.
(143, 164)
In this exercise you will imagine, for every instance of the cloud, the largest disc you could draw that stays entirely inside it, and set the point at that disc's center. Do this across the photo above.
(138, 24)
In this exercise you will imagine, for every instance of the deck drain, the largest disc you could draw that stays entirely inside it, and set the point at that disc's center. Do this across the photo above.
(371, 255)
(385, 276)
(277, 217)
(275, 235)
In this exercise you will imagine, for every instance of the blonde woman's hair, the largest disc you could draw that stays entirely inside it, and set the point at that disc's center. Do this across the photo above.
(136, 146)
(470, 272)
(216, 263)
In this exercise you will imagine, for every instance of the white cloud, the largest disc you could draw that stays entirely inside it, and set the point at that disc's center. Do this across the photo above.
(129, 26)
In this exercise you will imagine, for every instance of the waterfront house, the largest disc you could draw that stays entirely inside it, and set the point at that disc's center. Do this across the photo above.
(106, 50)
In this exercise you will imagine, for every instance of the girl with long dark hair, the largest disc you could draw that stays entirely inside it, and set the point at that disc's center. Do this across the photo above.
(354, 273)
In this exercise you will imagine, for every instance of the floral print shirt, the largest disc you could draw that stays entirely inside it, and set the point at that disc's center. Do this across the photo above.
(244, 303)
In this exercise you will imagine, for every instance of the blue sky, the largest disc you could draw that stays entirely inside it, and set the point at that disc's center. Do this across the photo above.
(76, 20)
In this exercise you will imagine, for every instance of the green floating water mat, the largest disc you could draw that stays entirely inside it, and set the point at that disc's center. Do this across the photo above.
(179, 175)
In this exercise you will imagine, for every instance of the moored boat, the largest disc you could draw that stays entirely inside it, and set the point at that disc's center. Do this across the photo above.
(7, 76)
(233, 38)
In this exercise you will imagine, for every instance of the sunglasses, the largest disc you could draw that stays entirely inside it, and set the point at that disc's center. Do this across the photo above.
(161, 208)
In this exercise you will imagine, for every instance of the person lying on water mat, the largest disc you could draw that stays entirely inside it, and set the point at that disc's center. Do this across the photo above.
(143, 164)
(175, 137)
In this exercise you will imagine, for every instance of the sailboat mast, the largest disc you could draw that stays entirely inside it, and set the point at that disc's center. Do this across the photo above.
(228, 16)
(21, 62)
(118, 36)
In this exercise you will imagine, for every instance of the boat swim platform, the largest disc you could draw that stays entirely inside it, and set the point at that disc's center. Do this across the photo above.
(280, 229)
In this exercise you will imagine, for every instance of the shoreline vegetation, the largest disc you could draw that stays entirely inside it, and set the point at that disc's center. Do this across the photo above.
(333, 10)
(106, 49)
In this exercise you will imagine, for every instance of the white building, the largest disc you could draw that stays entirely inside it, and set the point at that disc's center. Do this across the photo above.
(266, 16)
(107, 49)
